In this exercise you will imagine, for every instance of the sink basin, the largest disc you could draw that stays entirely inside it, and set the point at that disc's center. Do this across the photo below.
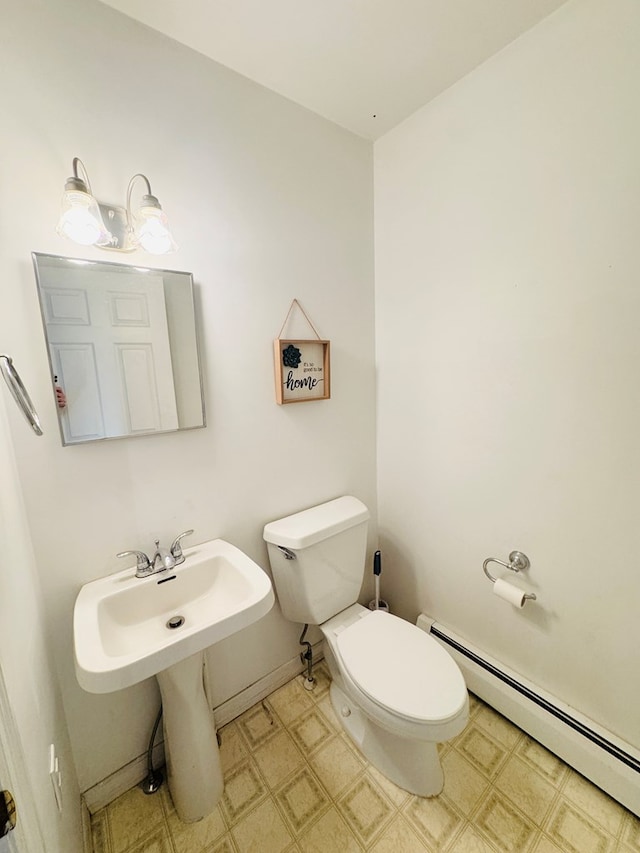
(120, 622)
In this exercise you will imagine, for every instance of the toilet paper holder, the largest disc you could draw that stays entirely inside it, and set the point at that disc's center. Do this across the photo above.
(518, 562)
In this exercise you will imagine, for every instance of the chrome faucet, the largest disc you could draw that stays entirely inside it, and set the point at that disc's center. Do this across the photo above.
(162, 559)
(166, 559)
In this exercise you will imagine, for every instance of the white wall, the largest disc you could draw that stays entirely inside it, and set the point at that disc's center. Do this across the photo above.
(268, 202)
(507, 317)
(33, 717)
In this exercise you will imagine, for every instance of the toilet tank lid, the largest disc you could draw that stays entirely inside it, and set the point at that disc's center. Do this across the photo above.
(305, 528)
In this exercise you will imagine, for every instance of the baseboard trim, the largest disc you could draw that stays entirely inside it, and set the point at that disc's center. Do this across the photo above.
(260, 689)
(107, 790)
(87, 837)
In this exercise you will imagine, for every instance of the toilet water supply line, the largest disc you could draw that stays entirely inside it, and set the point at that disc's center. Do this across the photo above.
(307, 656)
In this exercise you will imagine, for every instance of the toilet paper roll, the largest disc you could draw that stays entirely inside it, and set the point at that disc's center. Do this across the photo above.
(509, 592)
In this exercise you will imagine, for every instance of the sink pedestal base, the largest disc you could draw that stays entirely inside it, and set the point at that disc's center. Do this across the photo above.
(194, 772)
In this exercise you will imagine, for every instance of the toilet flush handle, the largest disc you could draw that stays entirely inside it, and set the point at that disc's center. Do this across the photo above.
(288, 553)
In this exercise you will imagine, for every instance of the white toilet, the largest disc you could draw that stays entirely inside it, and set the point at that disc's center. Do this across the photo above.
(395, 689)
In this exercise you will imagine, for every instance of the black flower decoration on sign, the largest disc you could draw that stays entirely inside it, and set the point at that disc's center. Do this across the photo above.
(291, 356)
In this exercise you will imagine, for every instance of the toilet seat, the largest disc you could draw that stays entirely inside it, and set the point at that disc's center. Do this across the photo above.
(401, 668)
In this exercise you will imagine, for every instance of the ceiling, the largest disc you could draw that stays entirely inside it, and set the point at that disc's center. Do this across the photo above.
(364, 64)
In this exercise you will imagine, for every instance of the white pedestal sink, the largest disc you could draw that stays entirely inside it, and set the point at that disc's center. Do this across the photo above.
(194, 773)
(123, 633)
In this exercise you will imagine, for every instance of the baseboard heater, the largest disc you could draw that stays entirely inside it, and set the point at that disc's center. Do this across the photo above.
(609, 762)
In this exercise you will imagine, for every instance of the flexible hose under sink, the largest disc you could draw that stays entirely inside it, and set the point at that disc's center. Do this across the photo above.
(154, 778)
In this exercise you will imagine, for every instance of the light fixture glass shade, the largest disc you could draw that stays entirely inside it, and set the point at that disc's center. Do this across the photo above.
(80, 219)
(151, 229)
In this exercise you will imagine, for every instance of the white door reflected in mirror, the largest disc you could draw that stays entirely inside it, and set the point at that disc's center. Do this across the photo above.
(122, 348)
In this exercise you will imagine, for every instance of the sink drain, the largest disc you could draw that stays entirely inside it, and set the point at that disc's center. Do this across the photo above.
(175, 622)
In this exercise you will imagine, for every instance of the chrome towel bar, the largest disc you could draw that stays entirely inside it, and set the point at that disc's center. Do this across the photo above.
(19, 393)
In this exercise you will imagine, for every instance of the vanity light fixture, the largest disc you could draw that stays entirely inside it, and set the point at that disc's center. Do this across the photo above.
(83, 218)
(148, 226)
(80, 217)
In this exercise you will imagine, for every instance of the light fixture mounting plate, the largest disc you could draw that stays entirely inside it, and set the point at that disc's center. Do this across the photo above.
(116, 222)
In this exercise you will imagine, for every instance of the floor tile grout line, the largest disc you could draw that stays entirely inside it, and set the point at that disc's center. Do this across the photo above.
(231, 821)
(536, 768)
(296, 746)
(297, 834)
(251, 746)
(552, 807)
(458, 835)
(538, 823)
(136, 845)
(247, 749)
(395, 809)
(413, 800)
(527, 820)
(475, 811)
(172, 841)
(590, 821)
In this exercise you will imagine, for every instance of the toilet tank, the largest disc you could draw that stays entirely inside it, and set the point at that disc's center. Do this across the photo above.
(317, 558)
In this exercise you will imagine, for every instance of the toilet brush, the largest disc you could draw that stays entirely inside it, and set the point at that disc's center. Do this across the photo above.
(377, 603)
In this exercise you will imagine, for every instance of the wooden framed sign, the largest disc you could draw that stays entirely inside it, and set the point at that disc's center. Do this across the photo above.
(302, 370)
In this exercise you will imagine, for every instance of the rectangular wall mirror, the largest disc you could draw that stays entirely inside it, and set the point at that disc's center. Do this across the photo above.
(122, 348)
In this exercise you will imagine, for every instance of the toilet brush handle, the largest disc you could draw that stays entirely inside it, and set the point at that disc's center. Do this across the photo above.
(377, 569)
(377, 563)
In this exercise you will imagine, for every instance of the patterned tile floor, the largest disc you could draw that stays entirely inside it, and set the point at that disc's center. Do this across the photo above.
(295, 784)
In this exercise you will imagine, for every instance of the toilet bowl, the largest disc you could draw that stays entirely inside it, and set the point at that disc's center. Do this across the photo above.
(395, 690)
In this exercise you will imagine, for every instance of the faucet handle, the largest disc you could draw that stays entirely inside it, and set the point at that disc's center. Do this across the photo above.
(176, 547)
(143, 566)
